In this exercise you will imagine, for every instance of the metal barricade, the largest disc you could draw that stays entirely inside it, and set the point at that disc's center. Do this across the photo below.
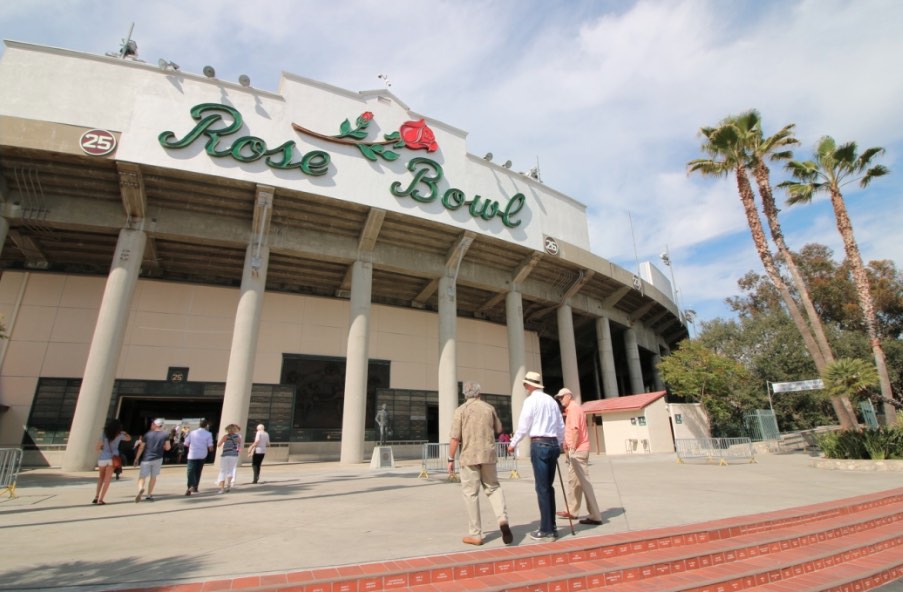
(434, 457)
(720, 450)
(10, 463)
(632, 445)
(506, 462)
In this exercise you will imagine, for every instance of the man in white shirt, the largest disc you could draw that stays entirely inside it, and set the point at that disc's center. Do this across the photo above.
(258, 449)
(199, 443)
(540, 420)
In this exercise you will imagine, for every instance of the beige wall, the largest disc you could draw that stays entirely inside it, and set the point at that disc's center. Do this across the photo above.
(694, 420)
(618, 431)
(51, 318)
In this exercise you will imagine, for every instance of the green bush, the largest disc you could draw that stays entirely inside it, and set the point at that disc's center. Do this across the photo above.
(878, 444)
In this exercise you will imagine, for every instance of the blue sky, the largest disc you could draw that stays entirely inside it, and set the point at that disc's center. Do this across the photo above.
(607, 96)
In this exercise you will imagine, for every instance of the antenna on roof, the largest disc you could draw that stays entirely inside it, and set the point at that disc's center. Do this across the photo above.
(129, 49)
(534, 172)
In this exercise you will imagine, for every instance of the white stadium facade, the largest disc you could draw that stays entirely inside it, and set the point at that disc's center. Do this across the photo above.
(175, 245)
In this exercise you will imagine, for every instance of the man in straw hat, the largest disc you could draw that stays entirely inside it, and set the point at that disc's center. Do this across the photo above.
(474, 428)
(540, 420)
(576, 444)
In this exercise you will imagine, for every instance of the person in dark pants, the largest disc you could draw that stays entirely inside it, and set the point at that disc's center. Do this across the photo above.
(540, 420)
(258, 449)
(199, 443)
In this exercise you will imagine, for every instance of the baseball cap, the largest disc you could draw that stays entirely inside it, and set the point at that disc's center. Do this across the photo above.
(159, 422)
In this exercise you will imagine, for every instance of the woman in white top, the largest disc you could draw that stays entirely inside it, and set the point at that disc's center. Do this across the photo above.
(228, 460)
(258, 449)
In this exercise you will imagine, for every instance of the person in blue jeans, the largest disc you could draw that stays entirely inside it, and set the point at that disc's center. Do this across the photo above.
(540, 420)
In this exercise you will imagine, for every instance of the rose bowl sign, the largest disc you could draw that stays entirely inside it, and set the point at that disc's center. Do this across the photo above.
(217, 125)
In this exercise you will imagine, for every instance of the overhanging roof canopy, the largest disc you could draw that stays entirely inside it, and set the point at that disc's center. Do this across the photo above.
(620, 404)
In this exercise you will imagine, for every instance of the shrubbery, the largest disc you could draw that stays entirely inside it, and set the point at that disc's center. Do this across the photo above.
(875, 444)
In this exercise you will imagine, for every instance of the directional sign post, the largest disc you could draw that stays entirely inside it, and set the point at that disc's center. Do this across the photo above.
(791, 387)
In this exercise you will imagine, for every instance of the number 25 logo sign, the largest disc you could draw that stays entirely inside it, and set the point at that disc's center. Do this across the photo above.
(97, 142)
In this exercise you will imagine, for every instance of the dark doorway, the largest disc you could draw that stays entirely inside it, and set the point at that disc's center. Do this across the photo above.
(432, 423)
(136, 413)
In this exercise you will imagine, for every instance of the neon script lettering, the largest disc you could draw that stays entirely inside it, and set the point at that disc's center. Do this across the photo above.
(424, 188)
(211, 122)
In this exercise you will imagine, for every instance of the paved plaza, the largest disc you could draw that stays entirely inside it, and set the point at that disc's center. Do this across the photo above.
(306, 515)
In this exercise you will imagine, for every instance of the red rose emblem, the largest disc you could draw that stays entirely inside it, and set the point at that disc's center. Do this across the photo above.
(418, 136)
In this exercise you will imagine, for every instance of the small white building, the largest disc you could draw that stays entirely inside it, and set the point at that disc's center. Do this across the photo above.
(630, 424)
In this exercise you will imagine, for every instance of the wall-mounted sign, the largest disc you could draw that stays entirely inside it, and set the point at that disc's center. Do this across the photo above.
(551, 246)
(177, 374)
(216, 122)
(97, 142)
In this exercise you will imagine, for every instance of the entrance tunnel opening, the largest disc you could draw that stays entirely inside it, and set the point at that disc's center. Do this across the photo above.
(137, 413)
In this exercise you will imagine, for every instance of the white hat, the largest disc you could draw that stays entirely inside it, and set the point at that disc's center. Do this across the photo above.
(533, 379)
(563, 393)
(159, 422)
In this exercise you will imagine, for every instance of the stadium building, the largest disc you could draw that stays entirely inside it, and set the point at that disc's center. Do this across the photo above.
(175, 245)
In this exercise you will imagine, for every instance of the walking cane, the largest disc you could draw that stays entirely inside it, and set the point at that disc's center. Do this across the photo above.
(565, 495)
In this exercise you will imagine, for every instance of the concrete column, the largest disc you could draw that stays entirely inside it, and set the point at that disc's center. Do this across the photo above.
(4, 231)
(103, 356)
(607, 358)
(240, 375)
(517, 369)
(568, 347)
(448, 359)
(354, 411)
(633, 362)
(657, 376)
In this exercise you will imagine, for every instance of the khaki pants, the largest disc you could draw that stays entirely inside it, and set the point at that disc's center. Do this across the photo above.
(472, 479)
(579, 486)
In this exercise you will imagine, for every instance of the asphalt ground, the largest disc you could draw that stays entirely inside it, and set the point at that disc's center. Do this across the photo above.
(306, 515)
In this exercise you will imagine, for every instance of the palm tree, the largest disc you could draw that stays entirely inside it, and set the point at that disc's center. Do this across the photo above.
(849, 377)
(835, 166)
(729, 148)
(762, 148)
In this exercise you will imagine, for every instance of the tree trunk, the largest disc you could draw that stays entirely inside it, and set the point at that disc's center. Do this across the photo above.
(758, 235)
(864, 292)
(771, 214)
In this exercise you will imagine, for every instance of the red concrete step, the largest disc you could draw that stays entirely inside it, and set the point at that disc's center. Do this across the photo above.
(715, 556)
(783, 567)
(705, 567)
(867, 573)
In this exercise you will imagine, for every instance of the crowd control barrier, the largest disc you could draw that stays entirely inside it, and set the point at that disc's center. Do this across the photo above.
(434, 457)
(10, 463)
(720, 450)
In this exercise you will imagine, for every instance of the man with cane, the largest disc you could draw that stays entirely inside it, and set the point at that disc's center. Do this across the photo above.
(540, 420)
(576, 443)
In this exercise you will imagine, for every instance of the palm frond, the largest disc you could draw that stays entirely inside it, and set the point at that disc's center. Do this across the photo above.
(783, 155)
(876, 171)
(709, 167)
(865, 159)
(845, 155)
